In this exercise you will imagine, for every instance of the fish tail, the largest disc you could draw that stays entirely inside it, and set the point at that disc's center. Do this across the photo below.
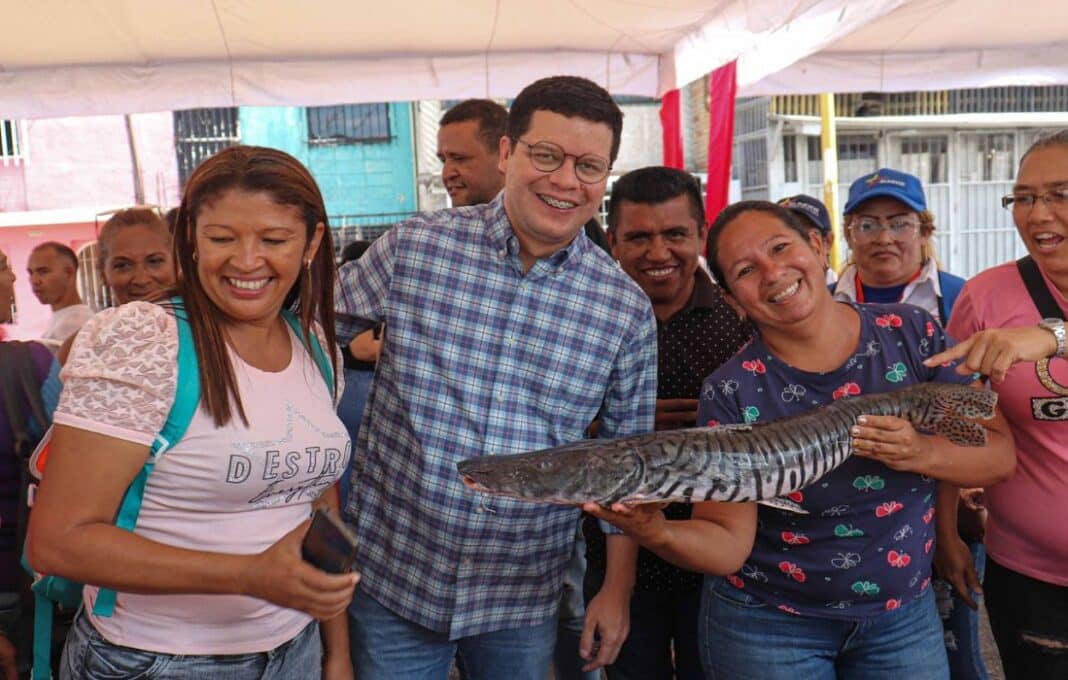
(950, 410)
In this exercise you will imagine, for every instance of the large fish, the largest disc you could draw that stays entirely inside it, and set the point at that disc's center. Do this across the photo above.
(761, 462)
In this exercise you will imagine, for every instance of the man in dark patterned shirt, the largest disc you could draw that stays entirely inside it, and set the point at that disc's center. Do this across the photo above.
(656, 228)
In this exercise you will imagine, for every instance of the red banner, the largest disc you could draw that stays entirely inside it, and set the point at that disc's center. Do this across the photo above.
(671, 126)
(721, 91)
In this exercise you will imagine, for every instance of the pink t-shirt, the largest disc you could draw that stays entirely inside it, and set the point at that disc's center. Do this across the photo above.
(1025, 531)
(234, 489)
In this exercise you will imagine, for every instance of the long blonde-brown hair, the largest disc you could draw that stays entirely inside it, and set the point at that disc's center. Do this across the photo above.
(251, 169)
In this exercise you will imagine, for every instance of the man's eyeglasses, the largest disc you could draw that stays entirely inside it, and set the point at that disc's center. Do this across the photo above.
(867, 228)
(548, 157)
(1054, 198)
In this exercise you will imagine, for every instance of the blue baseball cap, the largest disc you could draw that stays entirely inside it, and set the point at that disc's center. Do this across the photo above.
(811, 209)
(894, 184)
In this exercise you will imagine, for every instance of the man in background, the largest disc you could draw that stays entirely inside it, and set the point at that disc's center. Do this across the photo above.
(468, 140)
(53, 270)
(656, 229)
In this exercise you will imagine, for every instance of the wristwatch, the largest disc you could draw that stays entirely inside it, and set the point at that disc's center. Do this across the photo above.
(1056, 326)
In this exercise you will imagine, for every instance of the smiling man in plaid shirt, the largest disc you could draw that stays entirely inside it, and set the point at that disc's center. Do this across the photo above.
(508, 331)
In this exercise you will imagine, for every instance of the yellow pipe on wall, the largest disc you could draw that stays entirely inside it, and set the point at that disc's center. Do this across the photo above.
(829, 158)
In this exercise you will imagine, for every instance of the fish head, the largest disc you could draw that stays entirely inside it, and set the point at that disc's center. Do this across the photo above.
(573, 474)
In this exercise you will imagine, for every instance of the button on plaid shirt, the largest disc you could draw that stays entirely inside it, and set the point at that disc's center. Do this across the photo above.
(480, 358)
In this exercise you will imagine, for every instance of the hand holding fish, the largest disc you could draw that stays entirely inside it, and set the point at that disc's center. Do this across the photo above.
(992, 352)
(645, 522)
(892, 441)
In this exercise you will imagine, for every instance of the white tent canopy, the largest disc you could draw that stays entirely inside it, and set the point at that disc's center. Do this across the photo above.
(81, 57)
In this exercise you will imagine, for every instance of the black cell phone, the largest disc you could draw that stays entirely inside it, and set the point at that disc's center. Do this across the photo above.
(329, 544)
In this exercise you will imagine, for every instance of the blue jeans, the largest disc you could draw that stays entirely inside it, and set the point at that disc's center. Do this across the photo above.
(388, 647)
(744, 638)
(350, 411)
(961, 624)
(88, 656)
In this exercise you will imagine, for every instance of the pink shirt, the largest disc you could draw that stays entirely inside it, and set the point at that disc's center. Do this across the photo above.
(234, 489)
(1025, 531)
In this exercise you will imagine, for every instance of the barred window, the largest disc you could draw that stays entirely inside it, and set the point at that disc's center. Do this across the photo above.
(200, 133)
(926, 157)
(789, 158)
(348, 124)
(754, 161)
(10, 143)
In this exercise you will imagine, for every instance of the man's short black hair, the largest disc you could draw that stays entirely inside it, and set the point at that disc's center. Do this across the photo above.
(492, 119)
(569, 96)
(60, 249)
(653, 185)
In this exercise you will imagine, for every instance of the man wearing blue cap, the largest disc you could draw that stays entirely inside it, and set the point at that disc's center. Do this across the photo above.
(818, 219)
(888, 229)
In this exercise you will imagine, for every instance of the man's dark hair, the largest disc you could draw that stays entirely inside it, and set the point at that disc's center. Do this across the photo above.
(653, 185)
(492, 119)
(61, 250)
(569, 96)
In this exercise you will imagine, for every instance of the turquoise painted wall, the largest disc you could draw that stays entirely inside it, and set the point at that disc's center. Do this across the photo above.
(356, 179)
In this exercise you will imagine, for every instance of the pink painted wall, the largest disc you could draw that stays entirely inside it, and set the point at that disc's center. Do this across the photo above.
(17, 242)
(85, 162)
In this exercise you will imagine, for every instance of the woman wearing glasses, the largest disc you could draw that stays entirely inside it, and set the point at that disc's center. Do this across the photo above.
(1026, 585)
(889, 229)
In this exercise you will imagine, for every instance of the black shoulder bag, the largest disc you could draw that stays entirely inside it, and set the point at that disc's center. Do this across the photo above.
(1036, 286)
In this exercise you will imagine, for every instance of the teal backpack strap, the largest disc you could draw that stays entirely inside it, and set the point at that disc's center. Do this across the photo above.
(316, 349)
(186, 400)
(42, 638)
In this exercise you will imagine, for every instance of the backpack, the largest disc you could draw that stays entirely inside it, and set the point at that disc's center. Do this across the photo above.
(50, 590)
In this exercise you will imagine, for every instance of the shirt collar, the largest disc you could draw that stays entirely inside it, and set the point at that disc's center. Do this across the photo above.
(705, 295)
(928, 278)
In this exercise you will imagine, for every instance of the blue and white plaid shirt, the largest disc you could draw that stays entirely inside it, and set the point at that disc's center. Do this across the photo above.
(480, 358)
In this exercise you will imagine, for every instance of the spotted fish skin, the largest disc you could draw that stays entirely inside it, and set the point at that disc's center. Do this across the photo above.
(734, 463)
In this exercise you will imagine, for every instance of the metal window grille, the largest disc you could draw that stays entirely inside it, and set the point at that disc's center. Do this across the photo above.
(1021, 99)
(751, 115)
(789, 158)
(988, 157)
(349, 228)
(754, 162)
(10, 142)
(925, 157)
(348, 124)
(850, 148)
(201, 133)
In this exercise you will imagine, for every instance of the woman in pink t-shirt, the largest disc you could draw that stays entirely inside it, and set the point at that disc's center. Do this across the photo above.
(1026, 583)
(211, 580)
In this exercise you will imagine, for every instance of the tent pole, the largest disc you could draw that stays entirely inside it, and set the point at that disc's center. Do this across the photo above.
(829, 156)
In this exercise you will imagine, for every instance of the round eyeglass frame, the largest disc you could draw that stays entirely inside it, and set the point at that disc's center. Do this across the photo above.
(563, 159)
